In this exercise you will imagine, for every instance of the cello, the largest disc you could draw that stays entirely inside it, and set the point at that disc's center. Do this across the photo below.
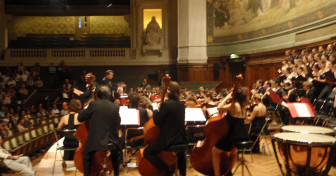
(151, 133)
(216, 128)
(98, 166)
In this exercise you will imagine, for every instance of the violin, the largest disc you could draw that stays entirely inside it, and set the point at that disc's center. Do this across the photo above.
(97, 163)
(216, 128)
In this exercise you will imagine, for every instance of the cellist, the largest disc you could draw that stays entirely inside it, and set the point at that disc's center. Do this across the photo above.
(236, 115)
(104, 121)
(170, 118)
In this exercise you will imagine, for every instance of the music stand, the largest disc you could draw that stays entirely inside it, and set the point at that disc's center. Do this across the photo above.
(194, 115)
(129, 117)
(300, 110)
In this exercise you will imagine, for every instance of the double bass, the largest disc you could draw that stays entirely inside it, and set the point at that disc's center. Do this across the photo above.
(151, 133)
(98, 166)
(216, 128)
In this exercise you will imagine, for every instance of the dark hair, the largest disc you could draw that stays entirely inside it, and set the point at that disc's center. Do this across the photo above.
(134, 98)
(103, 92)
(209, 94)
(108, 72)
(75, 105)
(241, 96)
(173, 90)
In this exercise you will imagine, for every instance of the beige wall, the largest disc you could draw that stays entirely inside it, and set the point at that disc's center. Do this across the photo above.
(109, 25)
(19, 26)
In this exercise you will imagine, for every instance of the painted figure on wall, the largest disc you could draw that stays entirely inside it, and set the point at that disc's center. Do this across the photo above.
(249, 19)
(222, 13)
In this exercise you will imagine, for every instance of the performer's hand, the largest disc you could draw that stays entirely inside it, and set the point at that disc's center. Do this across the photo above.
(15, 157)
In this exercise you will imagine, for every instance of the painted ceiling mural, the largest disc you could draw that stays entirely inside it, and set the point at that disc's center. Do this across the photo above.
(238, 20)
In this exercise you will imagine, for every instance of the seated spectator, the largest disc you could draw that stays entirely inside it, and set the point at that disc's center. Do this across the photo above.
(30, 82)
(67, 86)
(19, 126)
(17, 163)
(12, 122)
(33, 110)
(5, 130)
(52, 69)
(28, 114)
(26, 123)
(38, 83)
(65, 108)
(23, 92)
(11, 83)
(65, 95)
(7, 117)
(42, 113)
(54, 111)
(2, 133)
(2, 112)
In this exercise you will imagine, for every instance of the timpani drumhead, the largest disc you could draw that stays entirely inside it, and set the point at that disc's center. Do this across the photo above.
(305, 138)
(305, 153)
(307, 129)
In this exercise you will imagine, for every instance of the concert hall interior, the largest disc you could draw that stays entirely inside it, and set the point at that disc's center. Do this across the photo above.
(164, 87)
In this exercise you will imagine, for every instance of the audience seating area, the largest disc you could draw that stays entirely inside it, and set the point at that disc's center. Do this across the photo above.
(34, 139)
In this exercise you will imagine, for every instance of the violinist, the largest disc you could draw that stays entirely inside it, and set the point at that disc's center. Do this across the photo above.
(86, 95)
(170, 118)
(236, 115)
(137, 102)
(257, 118)
(104, 121)
(259, 87)
(208, 103)
(70, 122)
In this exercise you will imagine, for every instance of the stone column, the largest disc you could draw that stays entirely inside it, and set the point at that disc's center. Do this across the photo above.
(192, 25)
(2, 27)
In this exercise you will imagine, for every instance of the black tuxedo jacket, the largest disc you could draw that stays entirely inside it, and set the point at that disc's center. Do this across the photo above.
(310, 95)
(113, 87)
(103, 119)
(170, 118)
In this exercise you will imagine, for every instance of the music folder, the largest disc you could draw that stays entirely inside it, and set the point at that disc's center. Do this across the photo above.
(300, 110)
(129, 116)
(194, 114)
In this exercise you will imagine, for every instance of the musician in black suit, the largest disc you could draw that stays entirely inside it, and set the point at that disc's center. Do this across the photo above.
(104, 121)
(107, 81)
(170, 118)
(309, 91)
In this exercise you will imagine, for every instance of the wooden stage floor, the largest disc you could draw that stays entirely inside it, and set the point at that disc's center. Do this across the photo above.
(262, 165)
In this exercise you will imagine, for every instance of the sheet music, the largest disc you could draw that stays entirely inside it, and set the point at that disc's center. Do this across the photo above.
(194, 114)
(302, 110)
(129, 116)
(155, 106)
(77, 92)
(212, 111)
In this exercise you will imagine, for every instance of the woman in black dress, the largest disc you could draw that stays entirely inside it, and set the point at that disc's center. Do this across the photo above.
(236, 115)
(258, 119)
(70, 122)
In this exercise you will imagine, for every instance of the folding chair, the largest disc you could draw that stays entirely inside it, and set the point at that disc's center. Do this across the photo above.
(61, 148)
(261, 134)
